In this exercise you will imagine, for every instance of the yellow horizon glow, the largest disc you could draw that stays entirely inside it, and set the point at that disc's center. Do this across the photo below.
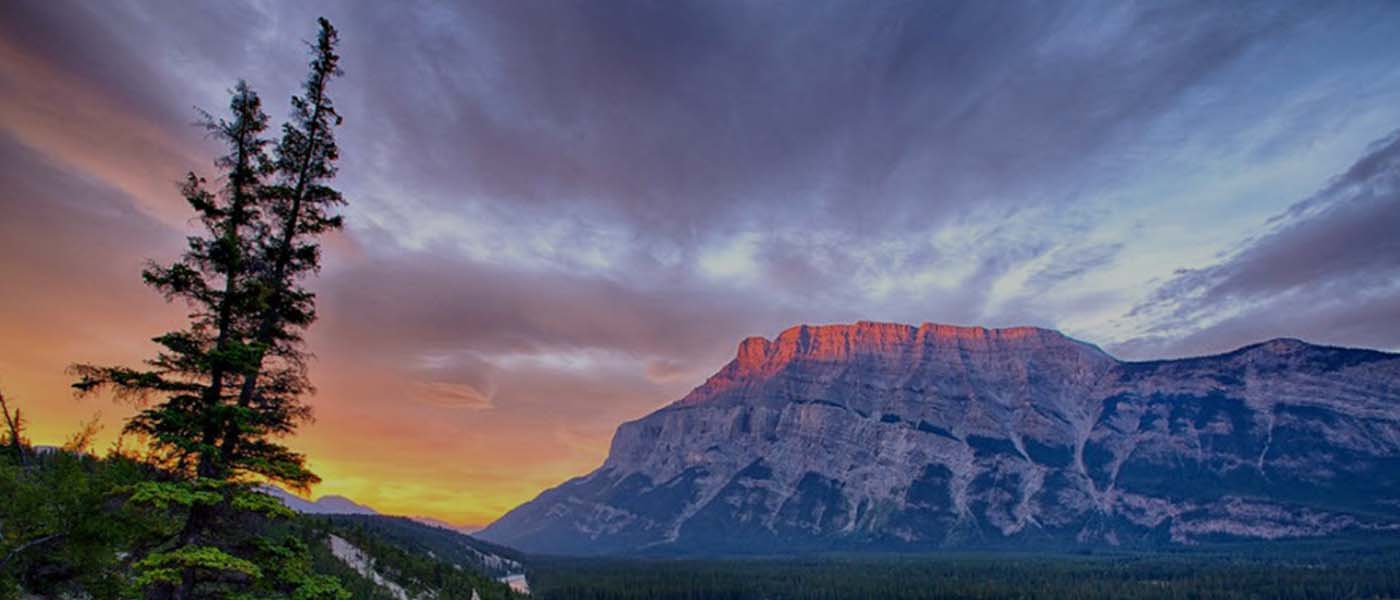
(379, 486)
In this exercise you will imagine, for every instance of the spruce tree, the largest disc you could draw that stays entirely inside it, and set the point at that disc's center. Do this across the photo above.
(197, 367)
(299, 202)
(224, 389)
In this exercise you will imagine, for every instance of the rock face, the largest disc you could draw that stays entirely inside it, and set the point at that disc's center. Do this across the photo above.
(885, 436)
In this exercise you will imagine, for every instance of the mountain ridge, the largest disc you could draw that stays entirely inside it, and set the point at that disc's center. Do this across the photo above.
(329, 504)
(881, 435)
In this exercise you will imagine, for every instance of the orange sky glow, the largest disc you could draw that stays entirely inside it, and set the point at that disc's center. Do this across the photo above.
(562, 217)
(399, 445)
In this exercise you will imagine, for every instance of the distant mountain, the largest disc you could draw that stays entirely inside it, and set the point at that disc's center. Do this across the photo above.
(885, 436)
(431, 522)
(340, 505)
(325, 505)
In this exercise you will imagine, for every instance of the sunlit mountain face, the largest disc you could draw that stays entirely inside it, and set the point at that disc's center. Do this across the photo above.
(890, 437)
(562, 216)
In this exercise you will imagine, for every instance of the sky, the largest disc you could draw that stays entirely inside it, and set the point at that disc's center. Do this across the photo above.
(564, 215)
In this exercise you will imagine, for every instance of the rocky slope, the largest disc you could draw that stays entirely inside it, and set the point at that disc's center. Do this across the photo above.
(889, 436)
(379, 557)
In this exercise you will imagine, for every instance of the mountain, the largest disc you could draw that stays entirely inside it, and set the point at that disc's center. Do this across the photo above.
(325, 505)
(431, 522)
(340, 505)
(886, 436)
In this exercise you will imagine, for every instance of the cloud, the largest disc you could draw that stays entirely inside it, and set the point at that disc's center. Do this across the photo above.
(565, 215)
(1069, 262)
(1326, 269)
(444, 394)
(71, 251)
(686, 119)
(667, 371)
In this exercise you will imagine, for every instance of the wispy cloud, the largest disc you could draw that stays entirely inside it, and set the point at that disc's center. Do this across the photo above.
(443, 394)
(565, 214)
(1326, 269)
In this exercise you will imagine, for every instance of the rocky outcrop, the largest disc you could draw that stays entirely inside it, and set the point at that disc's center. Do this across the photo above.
(889, 436)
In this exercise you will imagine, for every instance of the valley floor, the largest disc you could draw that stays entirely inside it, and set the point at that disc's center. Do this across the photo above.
(1363, 573)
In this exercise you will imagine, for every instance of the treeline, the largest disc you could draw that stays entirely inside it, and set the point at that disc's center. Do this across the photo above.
(76, 525)
(985, 577)
(444, 544)
(70, 527)
(64, 525)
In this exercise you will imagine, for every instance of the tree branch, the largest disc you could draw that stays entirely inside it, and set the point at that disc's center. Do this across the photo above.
(27, 545)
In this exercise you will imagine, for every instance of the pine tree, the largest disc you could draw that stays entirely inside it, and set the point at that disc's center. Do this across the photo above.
(224, 389)
(194, 371)
(197, 367)
(299, 203)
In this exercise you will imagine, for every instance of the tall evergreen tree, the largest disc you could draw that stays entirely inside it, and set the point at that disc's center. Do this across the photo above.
(299, 204)
(198, 365)
(194, 376)
(224, 389)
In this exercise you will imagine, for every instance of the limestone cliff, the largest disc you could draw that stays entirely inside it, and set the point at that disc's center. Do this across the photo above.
(890, 436)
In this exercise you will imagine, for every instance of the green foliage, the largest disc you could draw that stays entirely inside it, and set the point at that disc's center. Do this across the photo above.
(103, 528)
(169, 567)
(232, 381)
(165, 494)
(182, 520)
(61, 529)
(257, 502)
(291, 559)
(320, 587)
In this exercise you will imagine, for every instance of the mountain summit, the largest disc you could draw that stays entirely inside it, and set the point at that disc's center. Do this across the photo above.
(888, 436)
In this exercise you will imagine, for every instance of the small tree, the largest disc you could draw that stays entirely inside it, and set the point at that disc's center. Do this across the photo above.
(14, 430)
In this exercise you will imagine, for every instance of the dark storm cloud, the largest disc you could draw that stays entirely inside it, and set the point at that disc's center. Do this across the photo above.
(674, 116)
(843, 134)
(683, 122)
(1328, 269)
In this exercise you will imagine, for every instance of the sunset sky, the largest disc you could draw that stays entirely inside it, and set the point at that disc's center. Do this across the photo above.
(564, 215)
